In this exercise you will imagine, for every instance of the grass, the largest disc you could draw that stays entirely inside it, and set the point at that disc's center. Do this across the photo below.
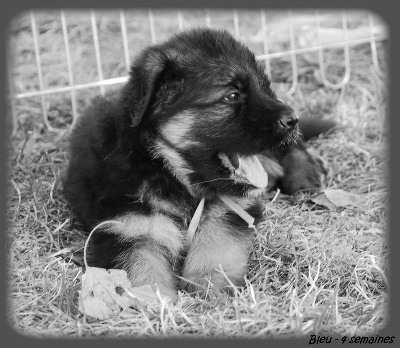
(312, 270)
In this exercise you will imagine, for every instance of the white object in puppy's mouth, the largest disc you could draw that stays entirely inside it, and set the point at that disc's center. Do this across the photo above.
(248, 169)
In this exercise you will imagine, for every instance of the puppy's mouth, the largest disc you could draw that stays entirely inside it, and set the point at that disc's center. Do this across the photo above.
(245, 169)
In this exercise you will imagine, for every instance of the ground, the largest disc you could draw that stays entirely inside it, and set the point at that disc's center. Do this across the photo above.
(313, 270)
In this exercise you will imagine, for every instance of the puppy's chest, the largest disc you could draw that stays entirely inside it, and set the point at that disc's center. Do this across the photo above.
(183, 209)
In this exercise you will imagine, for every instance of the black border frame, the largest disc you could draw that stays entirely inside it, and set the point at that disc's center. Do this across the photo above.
(385, 9)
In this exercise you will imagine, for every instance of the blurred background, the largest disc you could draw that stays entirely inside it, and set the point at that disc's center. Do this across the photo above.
(59, 59)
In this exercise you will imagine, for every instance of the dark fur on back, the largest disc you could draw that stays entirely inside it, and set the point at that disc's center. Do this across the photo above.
(146, 157)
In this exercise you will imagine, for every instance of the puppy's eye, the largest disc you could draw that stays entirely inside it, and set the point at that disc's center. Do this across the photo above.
(234, 96)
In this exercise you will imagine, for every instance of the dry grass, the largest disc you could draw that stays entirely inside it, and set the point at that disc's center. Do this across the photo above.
(313, 270)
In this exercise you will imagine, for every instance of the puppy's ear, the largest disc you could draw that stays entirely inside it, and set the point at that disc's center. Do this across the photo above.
(148, 74)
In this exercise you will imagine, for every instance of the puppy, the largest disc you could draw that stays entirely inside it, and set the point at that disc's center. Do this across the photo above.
(189, 124)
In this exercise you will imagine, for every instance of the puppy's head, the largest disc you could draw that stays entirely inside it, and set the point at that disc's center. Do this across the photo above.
(206, 108)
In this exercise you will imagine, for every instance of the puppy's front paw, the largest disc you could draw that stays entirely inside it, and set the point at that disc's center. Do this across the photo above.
(304, 171)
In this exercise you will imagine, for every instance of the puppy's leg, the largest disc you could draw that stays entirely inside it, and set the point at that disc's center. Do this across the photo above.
(151, 264)
(145, 246)
(303, 171)
(218, 243)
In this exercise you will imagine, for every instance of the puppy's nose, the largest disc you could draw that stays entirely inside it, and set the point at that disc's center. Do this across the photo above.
(288, 120)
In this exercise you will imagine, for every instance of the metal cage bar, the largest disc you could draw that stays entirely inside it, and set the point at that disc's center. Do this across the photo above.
(39, 70)
(180, 21)
(208, 19)
(11, 93)
(346, 56)
(152, 28)
(236, 24)
(96, 42)
(265, 42)
(125, 39)
(293, 55)
(108, 82)
(373, 47)
(316, 48)
(69, 64)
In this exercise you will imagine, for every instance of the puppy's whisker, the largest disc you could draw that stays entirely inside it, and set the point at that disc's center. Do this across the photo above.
(202, 182)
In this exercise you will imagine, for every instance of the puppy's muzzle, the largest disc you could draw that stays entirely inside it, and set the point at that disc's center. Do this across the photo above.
(288, 120)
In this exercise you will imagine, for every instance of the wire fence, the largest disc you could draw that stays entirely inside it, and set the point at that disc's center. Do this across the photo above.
(279, 36)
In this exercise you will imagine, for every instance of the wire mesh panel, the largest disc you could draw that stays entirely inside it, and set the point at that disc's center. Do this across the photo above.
(59, 60)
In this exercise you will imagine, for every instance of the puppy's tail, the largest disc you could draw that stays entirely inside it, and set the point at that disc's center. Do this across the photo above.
(312, 126)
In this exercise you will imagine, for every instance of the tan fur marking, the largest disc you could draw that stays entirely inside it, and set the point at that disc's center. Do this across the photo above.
(158, 227)
(142, 191)
(165, 206)
(177, 128)
(174, 162)
(157, 203)
(214, 244)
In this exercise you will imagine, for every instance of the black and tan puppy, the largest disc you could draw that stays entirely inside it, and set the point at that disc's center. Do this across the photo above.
(190, 122)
